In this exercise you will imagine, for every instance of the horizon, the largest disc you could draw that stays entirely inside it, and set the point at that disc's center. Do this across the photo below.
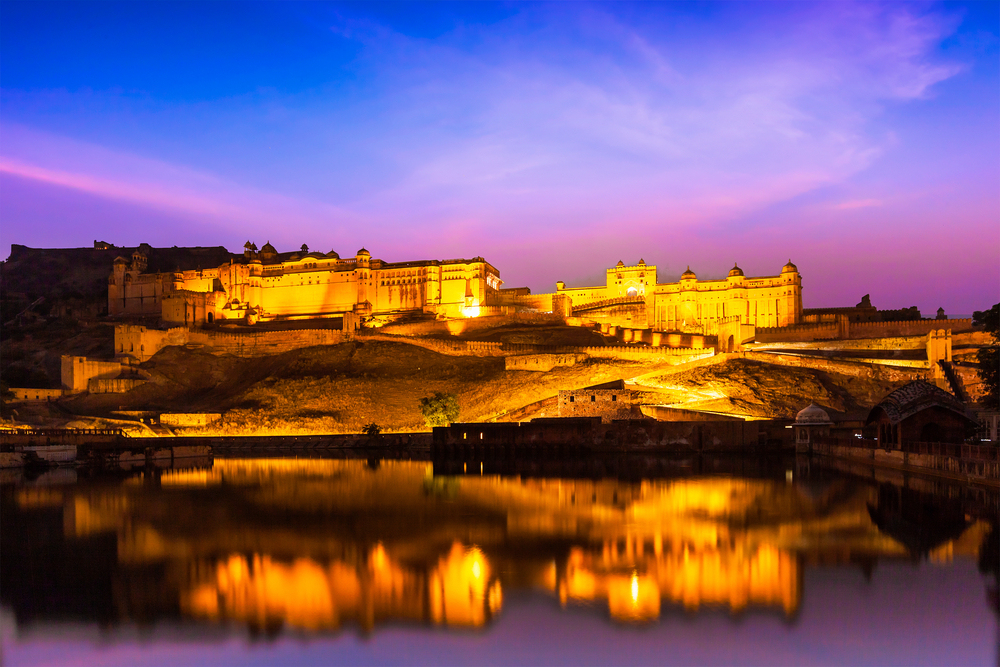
(858, 140)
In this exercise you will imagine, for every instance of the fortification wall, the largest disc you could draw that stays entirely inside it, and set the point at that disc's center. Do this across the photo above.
(907, 328)
(890, 343)
(142, 343)
(492, 349)
(540, 362)
(77, 372)
(875, 371)
(801, 333)
(31, 394)
(113, 385)
(189, 420)
(608, 404)
(855, 330)
(451, 327)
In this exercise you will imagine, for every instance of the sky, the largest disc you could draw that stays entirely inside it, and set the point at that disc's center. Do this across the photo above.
(859, 140)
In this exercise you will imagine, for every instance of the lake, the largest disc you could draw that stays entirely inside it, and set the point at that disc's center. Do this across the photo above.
(356, 561)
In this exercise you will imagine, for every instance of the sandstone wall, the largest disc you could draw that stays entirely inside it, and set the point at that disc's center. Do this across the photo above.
(608, 404)
(113, 385)
(77, 372)
(189, 420)
(29, 394)
(853, 330)
(890, 343)
(439, 327)
(878, 371)
(540, 362)
(142, 343)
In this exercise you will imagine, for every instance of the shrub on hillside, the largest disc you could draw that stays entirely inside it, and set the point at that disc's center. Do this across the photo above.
(440, 409)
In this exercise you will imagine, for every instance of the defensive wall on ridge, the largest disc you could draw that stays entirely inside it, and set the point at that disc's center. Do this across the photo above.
(141, 343)
(842, 329)
(438, 327)
(875, 369)
(496, 349)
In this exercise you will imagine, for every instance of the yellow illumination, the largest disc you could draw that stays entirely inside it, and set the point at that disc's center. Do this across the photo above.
(635, 588)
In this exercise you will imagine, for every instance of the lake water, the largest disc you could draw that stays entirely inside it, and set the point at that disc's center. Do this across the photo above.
(355, 561)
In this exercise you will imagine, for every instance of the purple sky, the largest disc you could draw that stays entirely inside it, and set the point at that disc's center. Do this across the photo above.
(860, 140)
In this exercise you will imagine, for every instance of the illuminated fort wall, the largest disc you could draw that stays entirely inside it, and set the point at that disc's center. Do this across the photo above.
(264, 287)
(694, 305)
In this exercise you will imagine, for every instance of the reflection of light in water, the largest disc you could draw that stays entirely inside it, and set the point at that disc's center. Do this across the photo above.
(461, 590)
(635, 587)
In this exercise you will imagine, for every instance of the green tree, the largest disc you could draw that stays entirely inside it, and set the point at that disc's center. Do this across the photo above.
(440, 409)
(372, 430)
(989, 356)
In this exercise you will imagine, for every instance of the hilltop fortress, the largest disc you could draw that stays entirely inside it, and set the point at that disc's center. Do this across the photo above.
(265, 285)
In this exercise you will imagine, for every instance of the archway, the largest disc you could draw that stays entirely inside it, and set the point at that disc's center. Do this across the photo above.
(731, 345)
(211, 317)
(632, 292)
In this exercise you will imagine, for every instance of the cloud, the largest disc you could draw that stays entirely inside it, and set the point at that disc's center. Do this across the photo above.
(857, 203)
(121, 176)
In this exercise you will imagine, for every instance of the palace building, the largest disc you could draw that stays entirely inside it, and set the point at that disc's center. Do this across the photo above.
(693, 305)
(265, 285)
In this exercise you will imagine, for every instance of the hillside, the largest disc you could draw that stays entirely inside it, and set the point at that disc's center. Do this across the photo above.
(343, 387)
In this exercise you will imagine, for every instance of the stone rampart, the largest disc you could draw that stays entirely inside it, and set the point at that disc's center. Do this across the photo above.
(907, 327)
(797, 333)
(540, 362)
(890, 343)
(843, 329)
(30, 394)
(865, 369)
(77, 372)
(141, 343)
(438, 327)
(494, 349)
(189, 419)
(113, 385)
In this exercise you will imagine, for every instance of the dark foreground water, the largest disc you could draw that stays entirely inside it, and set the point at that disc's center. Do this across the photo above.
(323, 561)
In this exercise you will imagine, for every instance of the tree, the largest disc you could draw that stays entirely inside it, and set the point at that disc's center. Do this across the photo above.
(440, 409)
(989, 356)
(372, 430)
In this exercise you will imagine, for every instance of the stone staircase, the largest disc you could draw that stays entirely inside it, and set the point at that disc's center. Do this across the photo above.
(954, 381)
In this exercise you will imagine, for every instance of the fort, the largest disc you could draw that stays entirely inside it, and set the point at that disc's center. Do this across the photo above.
(266, 286)
(258, 332)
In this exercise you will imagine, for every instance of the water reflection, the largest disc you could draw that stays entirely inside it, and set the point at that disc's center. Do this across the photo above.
(315, 545)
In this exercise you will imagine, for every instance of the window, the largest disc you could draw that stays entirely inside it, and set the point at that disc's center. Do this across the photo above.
(614, 397)
(572, 399)
(593, 398)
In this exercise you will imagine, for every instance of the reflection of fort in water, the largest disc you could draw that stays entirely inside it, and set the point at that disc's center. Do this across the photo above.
(317, 544)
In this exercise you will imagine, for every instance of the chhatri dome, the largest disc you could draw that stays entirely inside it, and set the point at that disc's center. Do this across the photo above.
(689, 274)
(789, 268)
(735, 271)
(364, 253)
(812, 415)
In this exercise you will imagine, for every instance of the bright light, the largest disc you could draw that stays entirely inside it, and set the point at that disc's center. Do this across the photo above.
(477, 569)
(635, 587)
